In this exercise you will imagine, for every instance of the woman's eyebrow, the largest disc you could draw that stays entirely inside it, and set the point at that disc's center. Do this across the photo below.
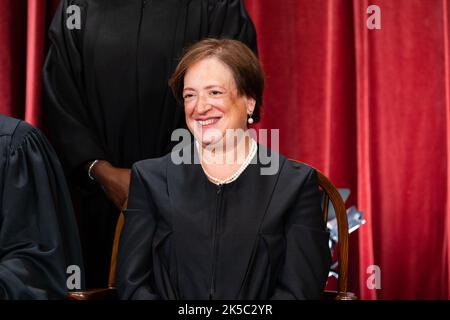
(207, 87)
(214, 86)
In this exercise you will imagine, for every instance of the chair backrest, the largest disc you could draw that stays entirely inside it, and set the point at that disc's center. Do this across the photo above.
(115, 249)
(109, 293)
(330, 194)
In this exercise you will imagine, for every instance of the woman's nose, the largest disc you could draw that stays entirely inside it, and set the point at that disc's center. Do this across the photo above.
(203, 104)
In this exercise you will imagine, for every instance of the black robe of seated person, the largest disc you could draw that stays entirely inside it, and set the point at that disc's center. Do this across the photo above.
(258, 237)
(107, 93)
(38, 231)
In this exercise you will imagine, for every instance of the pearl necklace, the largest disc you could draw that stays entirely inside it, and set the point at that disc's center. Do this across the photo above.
(234, 176)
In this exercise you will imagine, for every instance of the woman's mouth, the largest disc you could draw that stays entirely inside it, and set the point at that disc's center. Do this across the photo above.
(207, 122)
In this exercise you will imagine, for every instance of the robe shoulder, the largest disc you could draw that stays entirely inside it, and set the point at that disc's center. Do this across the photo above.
(20, 132)
(289, 170)
(38, 227)
(153, 168)
(17, 130)
(8, 125)
(296, 177)
(298, 169)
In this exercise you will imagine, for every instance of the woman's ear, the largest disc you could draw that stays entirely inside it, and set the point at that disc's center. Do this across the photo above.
(251, 103)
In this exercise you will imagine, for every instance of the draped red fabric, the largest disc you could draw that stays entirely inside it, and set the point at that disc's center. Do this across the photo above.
(446, 19)
(369, 108)
(35, 58)
(12, 57)
(23, 27)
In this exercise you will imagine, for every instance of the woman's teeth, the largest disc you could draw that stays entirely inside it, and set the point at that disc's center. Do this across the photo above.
(207, 122)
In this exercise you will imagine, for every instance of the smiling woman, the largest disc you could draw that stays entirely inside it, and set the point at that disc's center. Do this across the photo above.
(242, 70)
(220, 83)
(222, 230)
(211, 101)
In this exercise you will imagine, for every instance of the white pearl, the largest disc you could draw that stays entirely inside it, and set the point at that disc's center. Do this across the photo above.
(251, 154)
(250, 120)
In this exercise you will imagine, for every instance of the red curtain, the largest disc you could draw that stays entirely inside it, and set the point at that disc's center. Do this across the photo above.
(369, 108)
(23, 27)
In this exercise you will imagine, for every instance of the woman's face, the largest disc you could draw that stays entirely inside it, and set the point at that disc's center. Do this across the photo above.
(211, 101)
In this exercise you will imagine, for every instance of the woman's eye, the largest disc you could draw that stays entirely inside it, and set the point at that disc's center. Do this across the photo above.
(188, 96)
(215, 92)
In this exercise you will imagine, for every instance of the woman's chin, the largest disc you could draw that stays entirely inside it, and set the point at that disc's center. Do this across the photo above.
(208, 141)
(209, 136)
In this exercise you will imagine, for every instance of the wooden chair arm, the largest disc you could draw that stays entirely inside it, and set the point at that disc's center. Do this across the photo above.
(334, 295)
(94, 294)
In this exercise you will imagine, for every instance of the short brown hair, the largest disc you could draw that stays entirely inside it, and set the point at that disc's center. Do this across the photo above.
(243, 63)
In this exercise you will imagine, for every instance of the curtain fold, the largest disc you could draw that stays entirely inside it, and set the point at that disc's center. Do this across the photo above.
(12, 55)
(23, 28)
(446, 40)
(363, 134)
(36, 32)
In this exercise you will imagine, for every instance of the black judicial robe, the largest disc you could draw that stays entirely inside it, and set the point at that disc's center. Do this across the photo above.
(259, 237)
(38, 231)
(107, 95)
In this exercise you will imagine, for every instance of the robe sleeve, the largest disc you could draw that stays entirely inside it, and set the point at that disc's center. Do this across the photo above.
(229, 19)
(305, 269)
(67, 112)
(134, 261)
(38, 231)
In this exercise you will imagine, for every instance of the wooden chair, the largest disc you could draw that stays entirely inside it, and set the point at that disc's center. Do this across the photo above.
(331, 194)
(109, 293)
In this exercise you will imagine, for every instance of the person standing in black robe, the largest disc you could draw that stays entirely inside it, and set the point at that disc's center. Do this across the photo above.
(107, 96)
(38, 232)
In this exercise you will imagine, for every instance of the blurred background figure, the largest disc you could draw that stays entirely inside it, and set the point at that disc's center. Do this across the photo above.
(38, 232)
